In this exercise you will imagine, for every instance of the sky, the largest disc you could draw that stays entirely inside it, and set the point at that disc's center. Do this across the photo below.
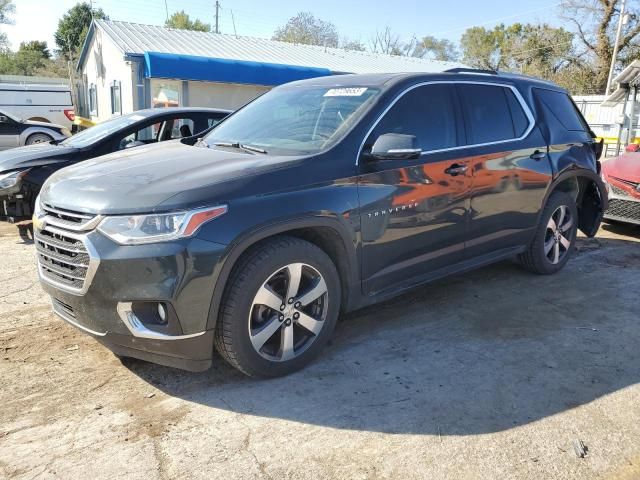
(355, 19)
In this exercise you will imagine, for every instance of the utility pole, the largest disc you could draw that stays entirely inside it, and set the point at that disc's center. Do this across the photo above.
(616, 46)
(218, 15)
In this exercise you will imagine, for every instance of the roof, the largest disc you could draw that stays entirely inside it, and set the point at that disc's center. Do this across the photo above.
(136, 39)
(150, 112)
(629, 76)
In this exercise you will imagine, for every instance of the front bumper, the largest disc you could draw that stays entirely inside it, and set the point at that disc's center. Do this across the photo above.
(178, 274)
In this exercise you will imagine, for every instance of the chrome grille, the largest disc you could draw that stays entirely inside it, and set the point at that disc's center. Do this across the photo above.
(69, 220)
(64, 252)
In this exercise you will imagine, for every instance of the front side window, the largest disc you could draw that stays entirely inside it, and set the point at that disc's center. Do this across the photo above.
(295, 120)
(488, 113)
(427, 112)
(180, 128)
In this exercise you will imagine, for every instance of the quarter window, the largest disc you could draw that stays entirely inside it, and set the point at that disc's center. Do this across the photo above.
(562, 107)
(492, 113)
(428, 112)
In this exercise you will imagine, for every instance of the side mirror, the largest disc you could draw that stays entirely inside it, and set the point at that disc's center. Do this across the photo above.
(4, 119)
(395, 146)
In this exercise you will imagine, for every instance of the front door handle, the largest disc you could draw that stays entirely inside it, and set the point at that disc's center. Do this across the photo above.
(538, 155)
(456, 169)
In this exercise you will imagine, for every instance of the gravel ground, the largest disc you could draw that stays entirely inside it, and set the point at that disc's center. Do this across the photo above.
(493, 374)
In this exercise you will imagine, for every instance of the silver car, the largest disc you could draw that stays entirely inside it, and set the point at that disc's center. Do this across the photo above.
(15, 132)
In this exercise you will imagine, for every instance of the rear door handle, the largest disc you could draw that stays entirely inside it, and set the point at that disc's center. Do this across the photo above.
(538, 155)
(456, 169)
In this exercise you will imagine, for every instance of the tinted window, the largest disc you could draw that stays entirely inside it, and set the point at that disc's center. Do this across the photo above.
(562, 108)
(487, 113)
(520, 120)
(427, 112)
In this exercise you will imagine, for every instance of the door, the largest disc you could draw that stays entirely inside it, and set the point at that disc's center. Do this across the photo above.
(509, 164)
(414, 212)
(9, 132)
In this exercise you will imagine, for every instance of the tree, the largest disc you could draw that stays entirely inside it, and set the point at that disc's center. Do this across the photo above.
(37, 46)
(355, 45)
(385, 41)
(596, 22)
(181, 20)
(6, 10)
(73, 28)
(306, 29)
(435, 49)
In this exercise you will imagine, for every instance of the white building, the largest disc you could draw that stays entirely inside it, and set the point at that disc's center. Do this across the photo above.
(126, 67)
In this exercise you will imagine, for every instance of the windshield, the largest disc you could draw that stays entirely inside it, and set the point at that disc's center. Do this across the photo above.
(11, 116)
(295, 120)
(102, 130)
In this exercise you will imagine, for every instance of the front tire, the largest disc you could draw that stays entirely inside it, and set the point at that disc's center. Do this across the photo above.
(38, 138)
(279, 309)
(555, 236)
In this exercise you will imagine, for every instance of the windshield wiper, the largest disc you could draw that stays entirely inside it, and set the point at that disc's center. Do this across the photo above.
(241, 146)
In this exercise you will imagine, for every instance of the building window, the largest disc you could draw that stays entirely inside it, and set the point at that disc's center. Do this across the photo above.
(165, 93)
(93, 100)
(116, 98)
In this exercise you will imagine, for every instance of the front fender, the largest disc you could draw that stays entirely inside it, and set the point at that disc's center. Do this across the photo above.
(26, 133)
(250, 237)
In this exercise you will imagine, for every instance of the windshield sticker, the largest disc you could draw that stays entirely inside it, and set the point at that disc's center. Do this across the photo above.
(345, 92)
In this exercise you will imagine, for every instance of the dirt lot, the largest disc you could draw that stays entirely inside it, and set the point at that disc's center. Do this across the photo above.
(489, 375)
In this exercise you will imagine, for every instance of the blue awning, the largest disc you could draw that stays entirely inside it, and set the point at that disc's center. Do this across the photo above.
(208, 69)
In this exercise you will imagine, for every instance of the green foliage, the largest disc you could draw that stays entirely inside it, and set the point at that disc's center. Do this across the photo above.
(182, 21)
(73, 28)
(37, 46)
(306, 29)
(435, 49)
(33, 58)
(6, 10)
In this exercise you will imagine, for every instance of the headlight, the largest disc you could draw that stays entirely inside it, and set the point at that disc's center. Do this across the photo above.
(10, 179)
(139, 229)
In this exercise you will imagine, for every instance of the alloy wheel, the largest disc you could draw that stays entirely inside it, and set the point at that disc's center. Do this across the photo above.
(288, 312)
(557, 241)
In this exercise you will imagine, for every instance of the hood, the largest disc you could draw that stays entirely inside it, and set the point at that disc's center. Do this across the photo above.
(625, 167)
(143, 179)
(33, 123)
(32, 155)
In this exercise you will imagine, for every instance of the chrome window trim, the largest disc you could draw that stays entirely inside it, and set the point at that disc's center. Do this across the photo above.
(515, 91)
(137, 329)
(94, 261)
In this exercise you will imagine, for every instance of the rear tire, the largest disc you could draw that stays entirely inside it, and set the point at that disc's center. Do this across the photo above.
(555, 236)
(38, 138)
(279, 309)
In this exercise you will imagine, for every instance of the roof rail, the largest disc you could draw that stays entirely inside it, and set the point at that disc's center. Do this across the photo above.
(471, 70)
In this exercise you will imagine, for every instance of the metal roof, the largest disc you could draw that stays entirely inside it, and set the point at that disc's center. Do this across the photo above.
(630, 76)
(136, 39)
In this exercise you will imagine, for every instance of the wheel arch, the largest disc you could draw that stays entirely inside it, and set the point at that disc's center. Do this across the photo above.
(327, 233)
(589, 193)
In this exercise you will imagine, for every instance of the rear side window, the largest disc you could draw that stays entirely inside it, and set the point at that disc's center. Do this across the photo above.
(561, 106)
(492, 113)
(428, 112)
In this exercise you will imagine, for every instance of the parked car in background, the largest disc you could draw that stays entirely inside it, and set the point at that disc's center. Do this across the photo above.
(622, 177)
(16, 132)
(38, 102)
(24, 170)
(319, 197)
